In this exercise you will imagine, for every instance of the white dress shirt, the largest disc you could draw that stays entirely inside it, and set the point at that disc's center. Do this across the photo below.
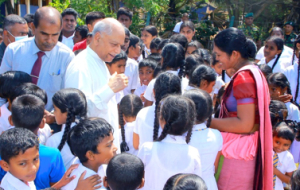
(21, 56)
(177, 27)
(129, 137)
(281, 65)
(208, 142)
(287, 52)
(10, 182)
(166, 158)
(132, 72)
(291, 74)
(78, 171)
(68, 41)
(89, 74)
(4, 115)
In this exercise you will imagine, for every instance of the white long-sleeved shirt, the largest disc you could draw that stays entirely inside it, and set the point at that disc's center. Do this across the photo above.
(10, 182)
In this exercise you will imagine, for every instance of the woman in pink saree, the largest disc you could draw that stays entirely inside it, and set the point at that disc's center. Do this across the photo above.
(244, 117)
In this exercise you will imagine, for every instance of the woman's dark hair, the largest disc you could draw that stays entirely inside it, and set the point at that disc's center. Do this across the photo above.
(276, 109)
(279, 43)
(284, 131)
(202, 72)
(233, 39)
(266, 69)
(218, 102)
(165, 84)
(129, 106)
(181, 39)
(121, 56)
(295, 180)
(185, 182)
(162, 44)
(73, 102)
(173, 57)
(156, 57)
(179, 114)
(155, 42)
(204, 54)
(191, 63)
(295, 47)
(151, 29)
(11, 79)
(195, 44)
(203, 104)
(189, 24)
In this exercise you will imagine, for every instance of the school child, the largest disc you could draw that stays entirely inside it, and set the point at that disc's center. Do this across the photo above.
(170, 154)
(208, 141)
(125, 172)
(129, 107)
(265, 69)
(191, 63)
(173, 57)
(283, 161)
(146, 124)
(28, 112)
(203, 77)
(204, 54)
(185, 182)
(278, 112)
(295, 180)
(148, 34)
(134, 48)
(187, 28)
(279, 85)
(272, 55)
(70, 106)
(81, 33)
(162, 44)
(19, 152)
(217, 102)
(216, 65)
(91, 140)
(193, 46)
(154, 45)
(146, 72)
(296, 52)
(180, 39)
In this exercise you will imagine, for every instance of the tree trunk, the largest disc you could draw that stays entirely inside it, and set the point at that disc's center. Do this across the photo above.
(9, 7)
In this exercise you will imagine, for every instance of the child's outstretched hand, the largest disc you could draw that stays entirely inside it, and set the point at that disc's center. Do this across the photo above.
(90, 183)
(66, 178)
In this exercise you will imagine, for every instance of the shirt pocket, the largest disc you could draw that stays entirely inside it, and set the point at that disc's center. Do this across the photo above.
(55, 82)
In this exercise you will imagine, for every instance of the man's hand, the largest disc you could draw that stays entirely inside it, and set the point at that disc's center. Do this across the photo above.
(88, 183)
(118, 82)
(50, 118)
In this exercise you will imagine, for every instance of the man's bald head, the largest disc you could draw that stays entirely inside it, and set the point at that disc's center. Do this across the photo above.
(47, 14)
(108, 25)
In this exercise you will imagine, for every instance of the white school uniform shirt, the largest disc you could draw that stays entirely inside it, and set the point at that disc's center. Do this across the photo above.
(293, 112)
(286, 53)
(177, 27)
(140, 90)
(44, 133)
(66, 154)
(129, 137)
(166, 158)
(208, 142)
(119, 96)
(132, 72)
(218, 85)
(285, 164)
(78, 171)
(144, 125)
(68, 41)
(4, 123)
(89, 74)
(10, 182)
(281, 65)
(291, 74)
(226, 78)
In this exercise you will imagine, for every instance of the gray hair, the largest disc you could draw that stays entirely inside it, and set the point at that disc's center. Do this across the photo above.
(103, 27)
(11, 20)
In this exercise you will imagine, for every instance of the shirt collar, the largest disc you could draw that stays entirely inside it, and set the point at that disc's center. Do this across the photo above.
(69, 36)
(35, 49)
(200, 126)
(17, 183)
(175, 139)
(173, 72)
(94, 55)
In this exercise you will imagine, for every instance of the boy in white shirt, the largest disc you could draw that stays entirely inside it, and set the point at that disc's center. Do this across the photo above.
(92, 142)
(20, 159)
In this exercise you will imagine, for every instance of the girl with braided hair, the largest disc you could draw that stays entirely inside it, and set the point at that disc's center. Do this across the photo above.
(208, 141)
(147, 126)
(69, 106)
(170, 154)
(129, 107)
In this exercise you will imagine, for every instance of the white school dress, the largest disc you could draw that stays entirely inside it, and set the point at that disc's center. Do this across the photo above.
(208, 142)
(281, 65)
(293, 112)
(44, 134)
(4, 123)
(144, 125)
(291, 74)
(140, 90)
(219, 83)
(166, 158)
(132, 72)
(129, 137)
(78, 171)
(285, 164)
(287, 52)
(66, 154)
(10, 182)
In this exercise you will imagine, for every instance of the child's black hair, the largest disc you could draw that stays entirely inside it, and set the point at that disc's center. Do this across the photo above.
(151, 29)
(148, 62)
(165, 84)
(133, 41)
(282, 130)
(203, 105)
(162, 44)
(189, 24)
(125, 172)
(10, 79)
(27, 111)
(295, 180)
(280, 44)
(191, 63)
(73, 102)
(173, 57)
(276, 109)
(156, 57)
(181, 39)
(266, 69)
(93, 16)
(124, 11)
(28, 88)
(86, 135)
(121, 56)
(202, 72)
(297, 41)
(157, 71)
(185, 182)
(195, 44)
(129, 106)
(127, 32)
(69, 11)
(16, 141)
(83, 31)
(295, 126)
(155, 42)
(218, 102)
(204, 54)
(179, 114)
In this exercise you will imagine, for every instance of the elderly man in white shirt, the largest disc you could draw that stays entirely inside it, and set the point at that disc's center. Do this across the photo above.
(88, 72)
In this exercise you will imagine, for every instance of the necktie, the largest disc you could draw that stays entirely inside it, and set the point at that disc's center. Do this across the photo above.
(275, 163)
(35, 72)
